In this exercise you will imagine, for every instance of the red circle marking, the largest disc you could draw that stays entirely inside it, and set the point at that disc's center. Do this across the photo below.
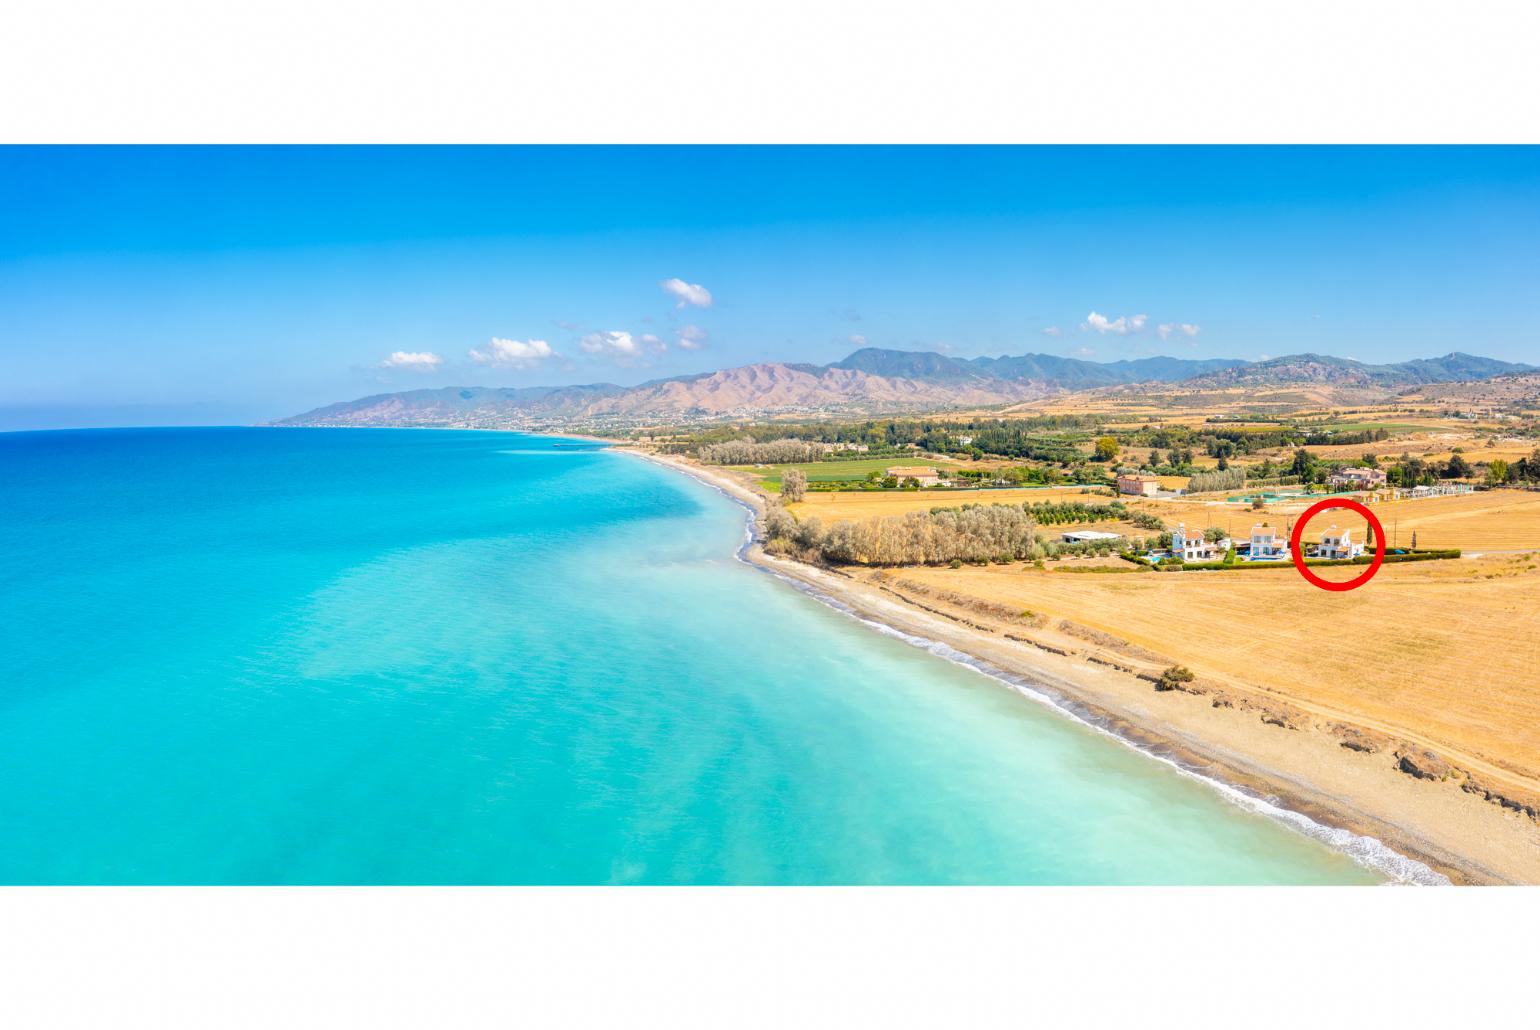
(1298, 554)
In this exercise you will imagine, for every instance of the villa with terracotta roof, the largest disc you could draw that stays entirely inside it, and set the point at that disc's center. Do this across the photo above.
(1357, 479)
(1138, 484)
(1191, 546)
(922, 474)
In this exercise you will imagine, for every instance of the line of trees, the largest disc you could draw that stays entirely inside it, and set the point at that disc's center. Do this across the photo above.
(1058, 513)
(1416, 472)
(996, 532)
(752, 452)
(1227, 479)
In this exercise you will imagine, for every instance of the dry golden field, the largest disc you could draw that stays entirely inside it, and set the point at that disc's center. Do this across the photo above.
(1447, 652)
(1508, 451)
(1493, 520)
(837, 506)
(1416, 444)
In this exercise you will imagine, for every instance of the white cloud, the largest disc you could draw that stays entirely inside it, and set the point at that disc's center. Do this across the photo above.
(1120, 326)
(616, 342)
(1168, 329)
(857, 339)
(414, 361)
(512, 353)
(688, 294)
(1084, 352)
(653, 343)
(693, 337)
(1052, 330)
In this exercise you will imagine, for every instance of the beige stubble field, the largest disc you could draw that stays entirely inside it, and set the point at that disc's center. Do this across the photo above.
(1446, 651)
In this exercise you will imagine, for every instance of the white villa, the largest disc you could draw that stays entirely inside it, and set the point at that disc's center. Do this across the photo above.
(1267, 542)
(1338, 543)
(1190, 546)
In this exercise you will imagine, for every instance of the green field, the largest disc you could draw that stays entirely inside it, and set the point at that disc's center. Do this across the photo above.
(854, 470)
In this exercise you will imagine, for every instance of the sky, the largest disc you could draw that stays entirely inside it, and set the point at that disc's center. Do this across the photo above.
(229, 285)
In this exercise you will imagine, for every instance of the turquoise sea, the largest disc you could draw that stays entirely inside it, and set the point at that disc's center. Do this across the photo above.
(258, 656)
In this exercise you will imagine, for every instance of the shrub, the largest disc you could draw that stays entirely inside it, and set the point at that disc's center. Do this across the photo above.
(1174, 678)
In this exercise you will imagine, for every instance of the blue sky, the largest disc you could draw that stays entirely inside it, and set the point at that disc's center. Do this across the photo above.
(176, 285)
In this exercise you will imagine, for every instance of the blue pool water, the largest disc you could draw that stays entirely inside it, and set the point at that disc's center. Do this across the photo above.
(339, 656)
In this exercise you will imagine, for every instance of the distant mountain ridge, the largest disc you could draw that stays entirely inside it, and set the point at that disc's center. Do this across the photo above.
(1323, 368)
(1064, 373)
(871, 381)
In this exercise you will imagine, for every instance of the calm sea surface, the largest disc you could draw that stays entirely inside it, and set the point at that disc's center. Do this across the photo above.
(338, 656)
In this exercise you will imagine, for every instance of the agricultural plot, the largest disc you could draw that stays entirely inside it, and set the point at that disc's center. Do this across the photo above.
(861, 504)
(852, 471)
(1493, 520)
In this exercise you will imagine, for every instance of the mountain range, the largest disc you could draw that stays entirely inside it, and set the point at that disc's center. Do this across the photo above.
(872, 381)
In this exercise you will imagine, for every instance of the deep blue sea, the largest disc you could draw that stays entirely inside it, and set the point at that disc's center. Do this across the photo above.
(260, 656)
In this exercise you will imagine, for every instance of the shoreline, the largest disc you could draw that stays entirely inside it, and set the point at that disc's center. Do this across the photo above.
(1314, 786)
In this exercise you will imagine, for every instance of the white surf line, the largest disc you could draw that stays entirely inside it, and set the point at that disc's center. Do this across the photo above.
(1370, 852)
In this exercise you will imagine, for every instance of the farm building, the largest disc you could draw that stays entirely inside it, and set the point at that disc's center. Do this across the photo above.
(922, 474)
(1137, 484)
(1087, 536)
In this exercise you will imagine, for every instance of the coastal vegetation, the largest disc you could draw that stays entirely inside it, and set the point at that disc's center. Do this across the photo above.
(970, 533)
(750, 452)
(995, 532)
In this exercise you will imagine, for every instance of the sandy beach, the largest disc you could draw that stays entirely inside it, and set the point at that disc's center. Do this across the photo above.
(1455, 824)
